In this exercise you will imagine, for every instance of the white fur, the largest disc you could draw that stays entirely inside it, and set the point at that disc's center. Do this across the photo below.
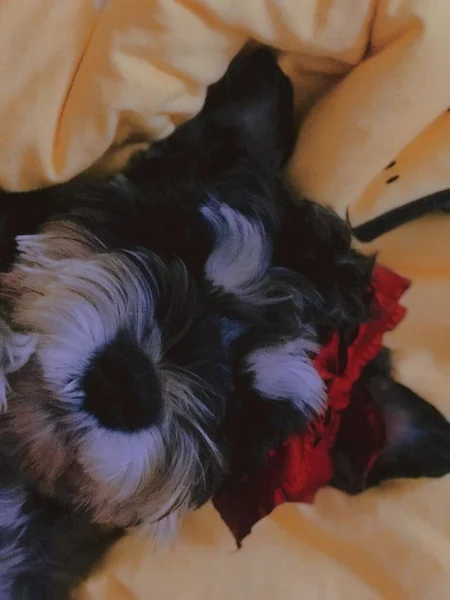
(286, 372)
(78, 305)
(59, 240)
(180, 393)
(15, 351)
(154, 469)
(100, 4)
(121, 462)
(241, 253)
(163, 533)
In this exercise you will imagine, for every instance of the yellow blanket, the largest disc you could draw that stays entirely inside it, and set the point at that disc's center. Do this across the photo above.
(83, 83)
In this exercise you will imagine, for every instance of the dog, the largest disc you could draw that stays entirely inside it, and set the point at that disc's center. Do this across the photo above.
(141, 313)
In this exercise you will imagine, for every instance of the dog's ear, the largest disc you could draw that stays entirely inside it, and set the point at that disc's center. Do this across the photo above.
(417, 440)
(247, 120)
(418, 435)
(254, 101)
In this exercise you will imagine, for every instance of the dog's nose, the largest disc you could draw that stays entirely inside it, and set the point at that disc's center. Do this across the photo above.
(122, 388)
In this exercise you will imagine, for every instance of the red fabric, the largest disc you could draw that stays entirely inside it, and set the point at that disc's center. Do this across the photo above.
(296, 470)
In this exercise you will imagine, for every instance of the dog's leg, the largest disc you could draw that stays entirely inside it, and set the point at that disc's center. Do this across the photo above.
(45, 550)
(59, 553)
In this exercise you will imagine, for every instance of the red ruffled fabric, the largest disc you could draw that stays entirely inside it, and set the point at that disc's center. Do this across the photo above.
(303, 464)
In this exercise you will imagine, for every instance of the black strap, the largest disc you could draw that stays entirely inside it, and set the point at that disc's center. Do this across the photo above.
(369, 231)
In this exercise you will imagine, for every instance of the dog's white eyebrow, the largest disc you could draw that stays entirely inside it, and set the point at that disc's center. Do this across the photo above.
(285, 372)
(241, 253)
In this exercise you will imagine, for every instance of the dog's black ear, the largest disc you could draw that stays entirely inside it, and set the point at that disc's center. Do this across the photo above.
(417, 435)
(254, 100)
(248, 119)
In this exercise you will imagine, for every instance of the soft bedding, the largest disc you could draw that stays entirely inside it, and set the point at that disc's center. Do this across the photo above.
(84, 83)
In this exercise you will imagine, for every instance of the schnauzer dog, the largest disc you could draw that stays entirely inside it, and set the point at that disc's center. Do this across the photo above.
(140, 312)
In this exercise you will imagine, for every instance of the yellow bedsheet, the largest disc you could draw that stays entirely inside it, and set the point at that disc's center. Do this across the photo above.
(84, 82)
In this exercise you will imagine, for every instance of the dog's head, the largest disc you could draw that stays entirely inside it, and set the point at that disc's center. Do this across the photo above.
(120, 407)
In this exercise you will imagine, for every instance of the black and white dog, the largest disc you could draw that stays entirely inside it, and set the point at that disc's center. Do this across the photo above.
(140, 312)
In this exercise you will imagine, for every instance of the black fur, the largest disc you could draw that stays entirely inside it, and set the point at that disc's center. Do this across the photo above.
(420, 447)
